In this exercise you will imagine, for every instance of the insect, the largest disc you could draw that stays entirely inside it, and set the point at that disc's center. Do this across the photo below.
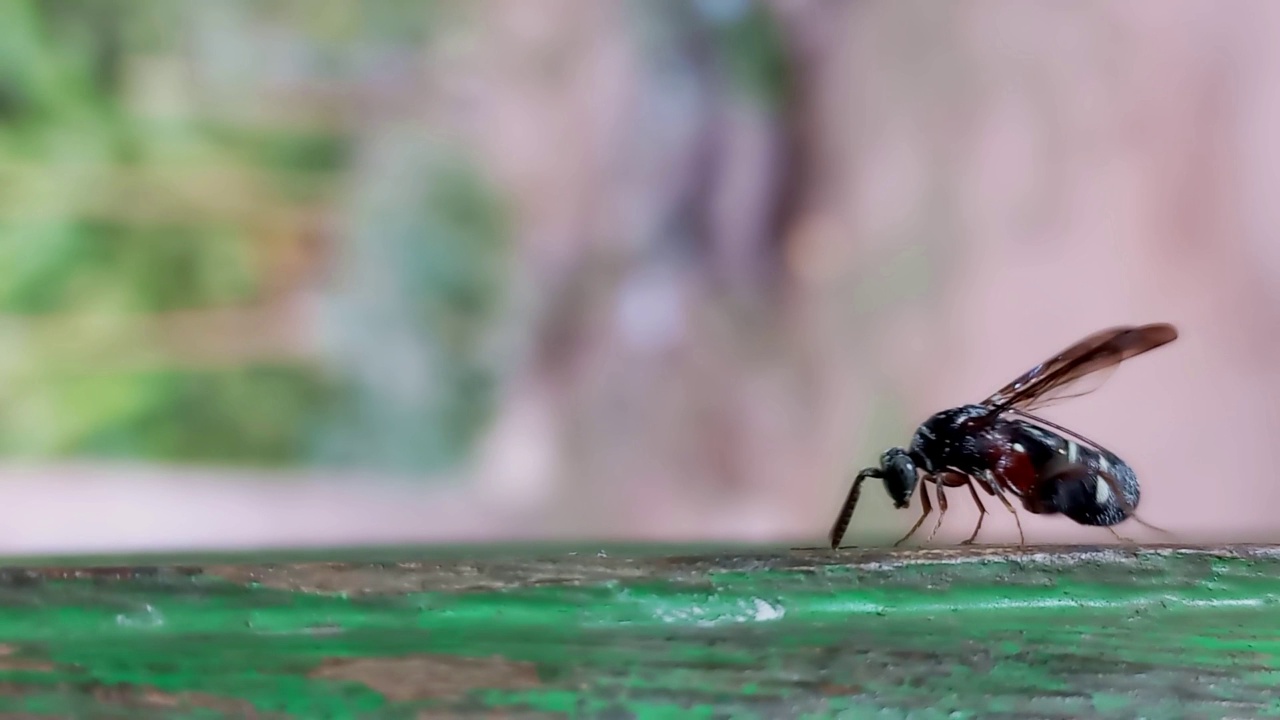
(998, 446)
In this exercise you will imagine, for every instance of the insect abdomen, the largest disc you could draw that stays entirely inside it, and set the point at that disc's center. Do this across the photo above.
(1083, 495)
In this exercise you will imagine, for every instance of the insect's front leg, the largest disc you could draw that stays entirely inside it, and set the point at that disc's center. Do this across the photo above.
(926, 508)
(941, 480)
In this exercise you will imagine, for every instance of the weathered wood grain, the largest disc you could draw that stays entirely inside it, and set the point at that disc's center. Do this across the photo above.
(983, 633)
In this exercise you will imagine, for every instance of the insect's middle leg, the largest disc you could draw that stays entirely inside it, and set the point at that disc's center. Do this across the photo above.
(942, 507)
(926, 508)
(982, 511)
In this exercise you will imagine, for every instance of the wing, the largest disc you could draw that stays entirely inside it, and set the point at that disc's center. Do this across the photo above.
(1091, 359)
(1064, 432)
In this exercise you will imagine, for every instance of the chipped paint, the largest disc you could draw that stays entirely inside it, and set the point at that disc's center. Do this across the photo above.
(984, 632)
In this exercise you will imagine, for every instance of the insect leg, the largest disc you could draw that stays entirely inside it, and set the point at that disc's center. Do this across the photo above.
(1118, 536)
(1114, 484)
(942, 509)
(926, 506)
(982, 512)
(1022, 539)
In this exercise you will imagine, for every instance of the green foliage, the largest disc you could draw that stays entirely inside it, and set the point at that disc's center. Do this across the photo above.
(111, 213)
(257, 415)
(72, 265)
(295, 159)
(741, 39)
(426, 280)
(251, 414)
(753, 52)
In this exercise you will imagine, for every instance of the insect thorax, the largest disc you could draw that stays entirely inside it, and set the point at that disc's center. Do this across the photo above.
(951, 438)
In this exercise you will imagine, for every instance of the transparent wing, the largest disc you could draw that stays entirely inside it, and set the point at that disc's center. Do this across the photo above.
(1081, 368)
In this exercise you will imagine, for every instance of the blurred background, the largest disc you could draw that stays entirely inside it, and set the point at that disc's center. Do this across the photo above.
(326, 272)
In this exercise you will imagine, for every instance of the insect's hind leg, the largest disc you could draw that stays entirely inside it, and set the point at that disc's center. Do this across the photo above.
(926, 508)
(1118, 536)
(1022, 539)
(1114, 485)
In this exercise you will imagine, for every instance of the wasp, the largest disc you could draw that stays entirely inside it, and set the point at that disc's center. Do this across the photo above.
(999, 447)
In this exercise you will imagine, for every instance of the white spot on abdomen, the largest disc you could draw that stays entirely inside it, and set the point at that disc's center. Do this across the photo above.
(1102, 491)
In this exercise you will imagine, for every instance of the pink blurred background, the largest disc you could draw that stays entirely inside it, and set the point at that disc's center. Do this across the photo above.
(753, 244)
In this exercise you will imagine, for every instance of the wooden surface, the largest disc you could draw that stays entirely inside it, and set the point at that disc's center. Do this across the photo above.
(983, 633)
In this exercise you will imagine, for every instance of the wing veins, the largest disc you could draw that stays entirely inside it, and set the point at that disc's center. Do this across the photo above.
(1098, 352)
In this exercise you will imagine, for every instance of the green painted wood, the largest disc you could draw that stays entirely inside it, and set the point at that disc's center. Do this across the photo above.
(981, 633)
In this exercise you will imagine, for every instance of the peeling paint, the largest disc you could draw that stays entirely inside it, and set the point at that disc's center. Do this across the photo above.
(1055, 633)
